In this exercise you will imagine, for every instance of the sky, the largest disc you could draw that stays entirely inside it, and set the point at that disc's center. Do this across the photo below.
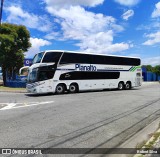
(115, 27)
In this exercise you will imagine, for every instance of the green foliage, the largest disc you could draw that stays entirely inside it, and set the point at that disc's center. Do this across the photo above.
(14, 41)
(156, 135)
(149, 68)
(155, 69)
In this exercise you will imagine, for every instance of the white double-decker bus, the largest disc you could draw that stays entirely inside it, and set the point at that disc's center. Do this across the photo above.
(59, 71)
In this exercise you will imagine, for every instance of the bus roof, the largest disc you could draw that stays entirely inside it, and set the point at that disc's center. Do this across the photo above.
(80, 52)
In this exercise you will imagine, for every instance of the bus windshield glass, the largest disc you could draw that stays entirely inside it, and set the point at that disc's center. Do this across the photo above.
(32, 77)
(52, 57)
(37, 58)
(45, 75)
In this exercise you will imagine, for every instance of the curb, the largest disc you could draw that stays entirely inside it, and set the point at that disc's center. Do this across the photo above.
(151, 140)
(150, 83)
(141, 136)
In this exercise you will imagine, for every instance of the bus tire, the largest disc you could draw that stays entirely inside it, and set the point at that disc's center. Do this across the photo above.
(128, 85)
(60, 89)
(120, 85)
(73, 88)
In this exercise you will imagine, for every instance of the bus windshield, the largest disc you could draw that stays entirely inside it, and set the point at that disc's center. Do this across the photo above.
(32, 77)
(37, 58)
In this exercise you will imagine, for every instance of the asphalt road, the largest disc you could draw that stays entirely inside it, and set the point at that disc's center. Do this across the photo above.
(99, 119)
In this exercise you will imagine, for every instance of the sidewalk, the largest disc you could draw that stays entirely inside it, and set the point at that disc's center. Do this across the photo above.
(141, 139)
(152, 144)
(149, 83)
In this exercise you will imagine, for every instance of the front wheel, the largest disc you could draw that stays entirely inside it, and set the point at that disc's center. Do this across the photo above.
(60, 89)
(73, 88)
(121, 85)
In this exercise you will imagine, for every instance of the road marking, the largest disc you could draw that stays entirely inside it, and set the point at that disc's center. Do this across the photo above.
(9, 106)
(13, 105)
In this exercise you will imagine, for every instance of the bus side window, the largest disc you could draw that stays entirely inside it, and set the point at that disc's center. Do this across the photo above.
(45, 75)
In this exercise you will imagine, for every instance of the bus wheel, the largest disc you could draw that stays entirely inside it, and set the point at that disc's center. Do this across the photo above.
(120, 85)
(128, 85)
(73, 88)
(60, 89)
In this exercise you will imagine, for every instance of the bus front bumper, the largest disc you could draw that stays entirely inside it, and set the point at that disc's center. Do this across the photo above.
(31, 88)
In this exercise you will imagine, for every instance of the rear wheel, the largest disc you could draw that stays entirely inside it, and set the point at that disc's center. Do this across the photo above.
(121, 85)
(73, 88)
(128, 85)
(60, 89)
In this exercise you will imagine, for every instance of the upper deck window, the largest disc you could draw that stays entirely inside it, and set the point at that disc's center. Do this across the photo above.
(68, 58)
(52, 57)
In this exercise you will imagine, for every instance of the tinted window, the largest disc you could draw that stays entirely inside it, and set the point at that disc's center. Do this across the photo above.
(113, 60)
(45, 75)
(46, 72)
(52, 57)
(82, 75)
(98, 59)
(33, 75)
(76, 58)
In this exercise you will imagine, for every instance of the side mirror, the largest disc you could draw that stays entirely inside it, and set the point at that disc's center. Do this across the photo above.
(23, 71)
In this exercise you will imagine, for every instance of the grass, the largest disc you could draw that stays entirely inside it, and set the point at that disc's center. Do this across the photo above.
(156, 135)
(3, 88)
(140, 155)
(10, 88)
(149, 144)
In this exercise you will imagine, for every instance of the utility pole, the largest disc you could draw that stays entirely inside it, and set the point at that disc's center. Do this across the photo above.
(1, 11)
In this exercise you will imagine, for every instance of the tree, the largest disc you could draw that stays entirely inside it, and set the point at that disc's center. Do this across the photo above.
(156, 70)
(14, 41)
(148, 67)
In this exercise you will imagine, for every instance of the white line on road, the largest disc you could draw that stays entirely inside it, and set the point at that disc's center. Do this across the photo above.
(9, 106)
(13, 105)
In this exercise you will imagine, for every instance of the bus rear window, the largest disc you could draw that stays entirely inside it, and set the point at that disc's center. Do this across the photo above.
(138, 74)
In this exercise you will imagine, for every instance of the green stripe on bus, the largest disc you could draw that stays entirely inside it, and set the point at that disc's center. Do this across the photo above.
(134, 68)
(131, 69)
